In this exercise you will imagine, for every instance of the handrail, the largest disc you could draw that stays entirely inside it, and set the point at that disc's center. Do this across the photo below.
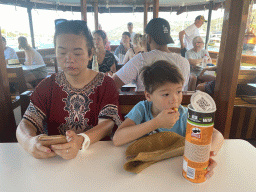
(213, 54)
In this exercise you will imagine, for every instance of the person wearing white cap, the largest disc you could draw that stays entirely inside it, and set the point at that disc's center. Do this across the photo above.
(190, 32)
(158, 36)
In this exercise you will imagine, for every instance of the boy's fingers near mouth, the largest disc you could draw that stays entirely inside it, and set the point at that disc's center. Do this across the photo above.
(175, 109)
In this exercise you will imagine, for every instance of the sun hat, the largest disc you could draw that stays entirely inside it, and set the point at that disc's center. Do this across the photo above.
(159, 29)
(153, 148)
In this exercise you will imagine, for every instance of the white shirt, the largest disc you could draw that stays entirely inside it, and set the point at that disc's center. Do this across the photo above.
(9, 53)
(132, 35)
(129, 73)
(190, 32)
(37, 59)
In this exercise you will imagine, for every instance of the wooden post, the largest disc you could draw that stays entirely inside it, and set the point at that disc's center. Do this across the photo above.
(208, 25)
(31, 26)
(145, 15)
(7, 121)
(96, 11)
(156, 8)
(234, 23)
(83, 10)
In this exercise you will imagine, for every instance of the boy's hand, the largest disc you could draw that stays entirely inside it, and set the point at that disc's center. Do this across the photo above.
(212, 165)
(167, 118)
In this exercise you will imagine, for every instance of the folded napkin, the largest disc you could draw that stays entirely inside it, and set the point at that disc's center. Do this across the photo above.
(153, 148)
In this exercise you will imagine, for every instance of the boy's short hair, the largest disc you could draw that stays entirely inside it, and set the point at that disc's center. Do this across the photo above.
(159, 73)
(127, 33)
(130, 23)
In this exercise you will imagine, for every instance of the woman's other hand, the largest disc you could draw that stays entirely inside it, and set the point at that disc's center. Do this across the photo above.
(69, 150)
(37, 150)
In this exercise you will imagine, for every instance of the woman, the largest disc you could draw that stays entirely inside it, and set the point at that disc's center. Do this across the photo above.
(136, 49)
(32, 57)
(106, 60)
(124, 46)
(107, 44)
(77, 102)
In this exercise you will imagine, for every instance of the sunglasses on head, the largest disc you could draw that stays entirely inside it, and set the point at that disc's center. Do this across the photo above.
(58, 21)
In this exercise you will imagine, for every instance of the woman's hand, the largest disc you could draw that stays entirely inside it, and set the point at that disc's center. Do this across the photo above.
(212, 165)
(69, 150)
(167, 118)
(37, 150)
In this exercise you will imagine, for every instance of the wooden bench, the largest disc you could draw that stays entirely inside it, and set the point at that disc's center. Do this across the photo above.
(243, 125)
(16, 78)
(243, 120)
(247, 76)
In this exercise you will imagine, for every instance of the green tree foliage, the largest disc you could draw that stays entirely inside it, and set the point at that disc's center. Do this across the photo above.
(3, 31)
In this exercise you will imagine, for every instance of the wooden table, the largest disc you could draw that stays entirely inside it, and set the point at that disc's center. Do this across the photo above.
(26, 67)
(100, 168)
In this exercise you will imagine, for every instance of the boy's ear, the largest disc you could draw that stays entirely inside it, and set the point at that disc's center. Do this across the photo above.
(147, 95)
(149, 38)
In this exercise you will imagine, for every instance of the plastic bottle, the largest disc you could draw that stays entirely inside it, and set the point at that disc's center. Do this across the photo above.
(204, 61)
(95, 65)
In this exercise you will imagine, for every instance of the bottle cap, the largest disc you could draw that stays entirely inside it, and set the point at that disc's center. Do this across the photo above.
(202, 102)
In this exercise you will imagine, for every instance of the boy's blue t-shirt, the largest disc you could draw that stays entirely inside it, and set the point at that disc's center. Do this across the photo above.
(141, 113)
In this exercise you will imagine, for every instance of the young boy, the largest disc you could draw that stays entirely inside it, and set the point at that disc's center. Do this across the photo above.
(162, 111)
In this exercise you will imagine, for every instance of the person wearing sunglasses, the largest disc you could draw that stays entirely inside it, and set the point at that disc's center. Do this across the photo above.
(124, 46)
(77, 102)
(198, 59)
(106, 60)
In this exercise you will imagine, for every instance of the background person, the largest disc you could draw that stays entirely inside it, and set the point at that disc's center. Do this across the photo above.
(107, 44)
(163, 83)
(196, 57)
(190, 32)
(77, 102)
(9, 53)
(106, 60)
(124, 46)
(130, 29)
(32, 57)
(136, 49)
(158, 36)
(209, 86)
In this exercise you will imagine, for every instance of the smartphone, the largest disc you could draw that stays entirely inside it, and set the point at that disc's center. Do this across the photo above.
(52, 140)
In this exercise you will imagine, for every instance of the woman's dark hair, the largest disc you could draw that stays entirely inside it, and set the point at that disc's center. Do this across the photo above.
(23, 43)
(127, 33)
(76, 27)
(159, 73)
(3, 39)
(100, 33)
